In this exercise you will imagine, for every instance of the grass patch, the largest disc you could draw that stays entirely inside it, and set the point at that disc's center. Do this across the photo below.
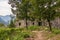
(22, 33)
(14, 33)
(56, 31)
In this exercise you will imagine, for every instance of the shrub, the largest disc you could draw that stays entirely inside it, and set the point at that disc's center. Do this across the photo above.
(56, 31)
(34, 28)
(11, 25)
(13, 34)
(1, 25)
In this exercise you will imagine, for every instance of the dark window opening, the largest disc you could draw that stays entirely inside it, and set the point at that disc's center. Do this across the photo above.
(33, 23)
(39, 23)
(19, 24)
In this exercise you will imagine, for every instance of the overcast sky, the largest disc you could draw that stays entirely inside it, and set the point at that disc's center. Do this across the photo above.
(5, 8)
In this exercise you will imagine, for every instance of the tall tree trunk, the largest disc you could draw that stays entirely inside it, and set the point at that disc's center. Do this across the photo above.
(26, 23)
(49, 24)
(26, 20)
(40, 22)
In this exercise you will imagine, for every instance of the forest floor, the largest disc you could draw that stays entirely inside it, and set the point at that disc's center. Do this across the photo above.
(38, 35)
(45, 35)
(42, 35)
(29, 34)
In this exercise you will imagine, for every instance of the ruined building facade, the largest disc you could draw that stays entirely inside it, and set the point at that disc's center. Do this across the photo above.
(22, 23)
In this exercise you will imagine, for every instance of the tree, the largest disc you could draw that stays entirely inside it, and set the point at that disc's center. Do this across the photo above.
(50, 11)
(22, 10)
(37, 10)
(11, 25)
(46, 10)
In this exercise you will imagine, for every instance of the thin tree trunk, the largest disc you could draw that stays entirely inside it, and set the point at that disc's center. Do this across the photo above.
(50, 25)
(26, 20)
(26, 23)
(40, 22)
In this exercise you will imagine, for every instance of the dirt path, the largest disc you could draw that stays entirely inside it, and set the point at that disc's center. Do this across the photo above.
(39, 35)
(57, 37)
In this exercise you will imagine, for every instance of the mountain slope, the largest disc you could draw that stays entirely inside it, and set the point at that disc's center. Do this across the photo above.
(5, 19)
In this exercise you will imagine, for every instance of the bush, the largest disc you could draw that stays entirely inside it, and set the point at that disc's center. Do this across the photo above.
(56, 31)
(11, 25)
(33, 28)
(13, 34)
(1, 25)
